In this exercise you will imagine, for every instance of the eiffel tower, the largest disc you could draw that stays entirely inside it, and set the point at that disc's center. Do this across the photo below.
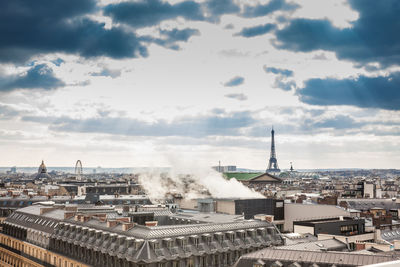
(273, 162)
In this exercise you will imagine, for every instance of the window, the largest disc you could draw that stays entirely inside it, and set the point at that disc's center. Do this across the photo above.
(195, 241)
(349, 229)
(155, 244)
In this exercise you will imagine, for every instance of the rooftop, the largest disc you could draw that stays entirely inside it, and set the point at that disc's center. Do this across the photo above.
(305, 256)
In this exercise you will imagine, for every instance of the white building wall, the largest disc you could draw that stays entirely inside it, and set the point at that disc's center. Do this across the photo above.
(368, 190)
(303, 212)
(300, 229)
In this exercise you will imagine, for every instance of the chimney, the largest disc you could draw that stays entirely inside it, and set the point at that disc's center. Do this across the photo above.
(151, 223)
(44, 210)
(112, 223)
(71, 208)
(360, 246)
(69, 214)
(84, 218)
(102, 217)
(124, 219)
(127, 226)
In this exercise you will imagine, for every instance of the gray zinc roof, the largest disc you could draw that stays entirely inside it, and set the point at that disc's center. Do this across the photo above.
(318, 257)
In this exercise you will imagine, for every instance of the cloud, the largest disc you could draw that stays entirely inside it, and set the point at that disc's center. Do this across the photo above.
(284, 72)
(151, 12)
(265, 9)
(225, 124)
(47, 26)
(338, 122)
(179, 35)
(372, 38)
(284, 84)
(229, 26)
(220, 7)
(58, 62)
(366, 92)
(235, 81)
(233, 53)
(256, 30)
(7, 112)
(37, 77)
(107, 73)
(281, 79)
(169, 38)
(240, 97)
(320, 57)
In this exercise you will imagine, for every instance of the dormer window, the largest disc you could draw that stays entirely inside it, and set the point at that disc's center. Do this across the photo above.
(207, 239)
(231, 236)
(195, 240)
(182, 241)
(154, 244)
(168, 242)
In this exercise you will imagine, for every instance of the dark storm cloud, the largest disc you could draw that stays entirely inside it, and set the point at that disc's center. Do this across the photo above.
(37, 77)
(265, 9)
(235, 81)
(152, 12)
(195, 126)
(256, 30)
(31, 28)
(365, 92)
(284, 72)
(240, 97)
(169, 38)
(373, 37)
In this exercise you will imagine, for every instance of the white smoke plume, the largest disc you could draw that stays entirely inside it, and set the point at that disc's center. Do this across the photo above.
(191, 182)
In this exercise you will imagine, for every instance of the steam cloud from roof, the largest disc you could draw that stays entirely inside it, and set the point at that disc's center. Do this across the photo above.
(193, 183)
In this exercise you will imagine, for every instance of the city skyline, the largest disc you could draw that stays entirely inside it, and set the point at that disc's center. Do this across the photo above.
(162, 83)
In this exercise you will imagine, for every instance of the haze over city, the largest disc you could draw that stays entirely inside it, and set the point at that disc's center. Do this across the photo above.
(149, 83)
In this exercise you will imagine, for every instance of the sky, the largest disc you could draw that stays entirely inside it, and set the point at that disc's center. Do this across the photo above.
(119, 83)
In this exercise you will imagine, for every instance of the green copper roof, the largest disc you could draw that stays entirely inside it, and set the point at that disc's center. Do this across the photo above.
(241, 176)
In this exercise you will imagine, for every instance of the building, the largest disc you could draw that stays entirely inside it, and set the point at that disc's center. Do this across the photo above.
(248, 208)
(254, 179)
(42, 172)
(106, 189)
(348, 230)
(229, 168)
(89, 235)
(283, 257)
(334, 226)
(304, 212)
(251, 207)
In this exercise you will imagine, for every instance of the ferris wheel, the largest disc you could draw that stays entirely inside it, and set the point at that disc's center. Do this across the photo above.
(78, 170)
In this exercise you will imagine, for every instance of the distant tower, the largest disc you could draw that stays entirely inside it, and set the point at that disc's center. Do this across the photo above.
(78, 170)
(273, 162)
